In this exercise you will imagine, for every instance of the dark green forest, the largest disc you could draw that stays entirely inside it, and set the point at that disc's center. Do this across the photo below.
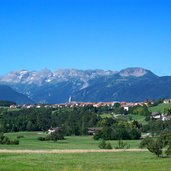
(78, 121)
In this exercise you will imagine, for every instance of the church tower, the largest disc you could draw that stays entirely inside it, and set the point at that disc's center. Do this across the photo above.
(70, 99)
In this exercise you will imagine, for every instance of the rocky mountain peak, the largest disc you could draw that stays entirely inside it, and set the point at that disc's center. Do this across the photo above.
(45, 75)
(135, 72)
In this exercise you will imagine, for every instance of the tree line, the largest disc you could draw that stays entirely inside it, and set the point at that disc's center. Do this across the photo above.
(72, 121)
(77, 121)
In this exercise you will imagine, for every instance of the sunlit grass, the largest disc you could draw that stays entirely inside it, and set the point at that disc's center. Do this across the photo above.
(160, 107)
(30, 141)
(122, 161)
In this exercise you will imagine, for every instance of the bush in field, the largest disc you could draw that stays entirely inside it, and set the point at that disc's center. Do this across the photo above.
(160, 146)
(108, 146)
(168, 151)
(57, 135)
(6, 140)
(20, 136)
(122, 145)
(54, 136)
(104, 145)
(154, 146)
(41, 138)
(15, 142)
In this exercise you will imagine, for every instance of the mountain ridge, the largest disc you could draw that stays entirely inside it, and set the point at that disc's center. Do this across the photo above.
(130, 84)
(47, 75)
(7, 93)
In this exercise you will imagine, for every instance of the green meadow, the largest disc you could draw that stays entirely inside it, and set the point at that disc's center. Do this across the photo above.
(117, 161)
(31, 142)
(90, 161)
(160, 107)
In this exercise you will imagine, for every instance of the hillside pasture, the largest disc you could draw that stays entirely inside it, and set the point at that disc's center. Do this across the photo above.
(160, 107)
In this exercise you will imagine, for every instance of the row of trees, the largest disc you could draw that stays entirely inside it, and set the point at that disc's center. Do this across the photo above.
(156, 127)
(72, 121)
(119, 130)
(25, 120)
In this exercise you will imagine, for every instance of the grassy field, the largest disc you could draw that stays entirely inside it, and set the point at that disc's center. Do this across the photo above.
(30, 141)
(160, 107)
(139, 118)
(122, 161)
(106, 115)
(106, 161)
(113, 161)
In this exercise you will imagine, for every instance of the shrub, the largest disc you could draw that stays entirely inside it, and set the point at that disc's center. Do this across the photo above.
(108, 146)
(6, 140)
(159, 146)
(15, 142)
(97, 135)
(41, 138)
(122, 145)
(168, 151)
(57, 135)
(104, 145)
(20, 136)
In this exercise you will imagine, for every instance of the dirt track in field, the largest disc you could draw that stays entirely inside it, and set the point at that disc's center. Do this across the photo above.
(69, 151)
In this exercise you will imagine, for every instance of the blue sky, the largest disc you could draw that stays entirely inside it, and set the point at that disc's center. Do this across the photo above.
(85, 34)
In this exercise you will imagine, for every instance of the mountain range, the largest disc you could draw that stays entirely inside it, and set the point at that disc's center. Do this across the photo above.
(45, 86)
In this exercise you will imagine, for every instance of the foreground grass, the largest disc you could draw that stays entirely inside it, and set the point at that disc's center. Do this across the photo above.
(121, 161)
(31, 142)
(113, 161)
